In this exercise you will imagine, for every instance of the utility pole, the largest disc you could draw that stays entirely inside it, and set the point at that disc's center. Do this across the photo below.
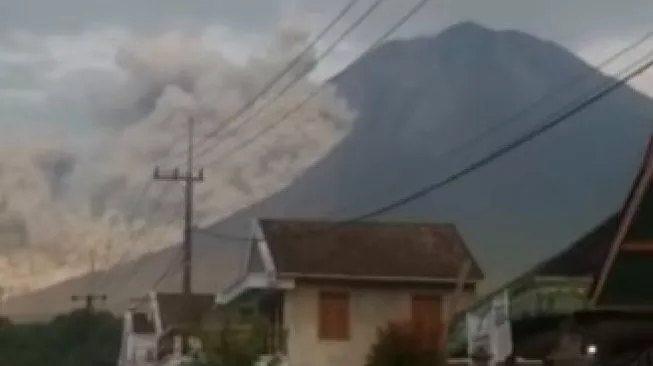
(189, 179)
(90, 298)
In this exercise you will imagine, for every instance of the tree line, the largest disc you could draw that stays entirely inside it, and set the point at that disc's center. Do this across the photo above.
(79, 338)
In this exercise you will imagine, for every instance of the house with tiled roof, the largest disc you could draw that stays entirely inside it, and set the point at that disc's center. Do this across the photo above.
(612, 250)
(619, 283)
(327, 287)
(598, 283)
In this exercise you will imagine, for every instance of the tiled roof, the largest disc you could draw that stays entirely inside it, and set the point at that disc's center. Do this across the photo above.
(141, 324)
(364, 249)
(623, 272)
(174, 312)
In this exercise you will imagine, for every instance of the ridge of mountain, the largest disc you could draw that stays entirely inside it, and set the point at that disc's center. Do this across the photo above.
(416, 101)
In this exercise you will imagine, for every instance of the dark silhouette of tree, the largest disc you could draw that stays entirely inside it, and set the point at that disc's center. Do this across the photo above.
(76, 339)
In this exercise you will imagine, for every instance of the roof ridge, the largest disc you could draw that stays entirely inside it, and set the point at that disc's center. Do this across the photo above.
(394, 248)
(366, 222)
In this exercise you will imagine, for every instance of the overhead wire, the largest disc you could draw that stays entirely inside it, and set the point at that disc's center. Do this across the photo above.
(504, 149)
(300, 76)
(294, 62)
(588, 74)
(137, 205)
(266, 88)
(472, 167)
(284, 71)
(313, 94)
(298, 59)
(497, 153)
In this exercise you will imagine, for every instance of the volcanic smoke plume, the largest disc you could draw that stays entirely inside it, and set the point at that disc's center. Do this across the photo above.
(66, 199)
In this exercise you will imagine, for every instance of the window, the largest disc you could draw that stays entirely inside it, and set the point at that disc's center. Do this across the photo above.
(333, 315)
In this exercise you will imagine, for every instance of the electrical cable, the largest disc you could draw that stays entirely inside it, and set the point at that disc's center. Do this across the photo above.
(303, 74)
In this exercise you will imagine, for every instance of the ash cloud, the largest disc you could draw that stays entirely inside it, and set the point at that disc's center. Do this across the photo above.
(87, 192)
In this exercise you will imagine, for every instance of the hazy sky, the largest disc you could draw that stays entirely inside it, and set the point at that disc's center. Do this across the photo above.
(82, 33)
(46, 46)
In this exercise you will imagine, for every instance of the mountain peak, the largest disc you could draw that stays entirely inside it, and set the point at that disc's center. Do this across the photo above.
(466, 27)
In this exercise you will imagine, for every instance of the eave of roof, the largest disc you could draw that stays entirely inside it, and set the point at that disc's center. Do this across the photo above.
(267, 250)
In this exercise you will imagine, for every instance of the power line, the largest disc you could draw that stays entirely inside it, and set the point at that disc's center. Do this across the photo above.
(553, 92)
(501, 151)
(136, 206)
(369, 10)
(309, 48)
(303, 74)
(585, 75)
(350, 29)
(386, 208)
(504, 149)
(170, 269)
(514, 117)
(294, 62)
(321, 87)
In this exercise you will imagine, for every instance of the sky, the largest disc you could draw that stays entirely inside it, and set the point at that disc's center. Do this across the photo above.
(43, 43)
(82, 103)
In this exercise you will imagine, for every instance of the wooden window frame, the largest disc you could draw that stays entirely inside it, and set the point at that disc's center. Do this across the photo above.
(333, 324)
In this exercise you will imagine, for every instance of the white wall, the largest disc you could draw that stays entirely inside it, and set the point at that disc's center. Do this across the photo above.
(370, 309)
(143, 344)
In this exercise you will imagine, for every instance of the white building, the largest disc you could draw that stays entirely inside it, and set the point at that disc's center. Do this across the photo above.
(327, 288)
(138, 344)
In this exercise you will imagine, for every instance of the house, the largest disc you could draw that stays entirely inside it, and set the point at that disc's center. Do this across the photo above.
(175, 318)
(138, 340)
(560, 285)
(153, 335)
(618, 284)
(328, 287)
(596, 283)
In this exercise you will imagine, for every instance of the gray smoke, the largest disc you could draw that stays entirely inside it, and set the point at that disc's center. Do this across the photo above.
(82, 195)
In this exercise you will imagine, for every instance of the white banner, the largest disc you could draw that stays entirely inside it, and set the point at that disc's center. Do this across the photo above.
(489, 331)
(501, 333)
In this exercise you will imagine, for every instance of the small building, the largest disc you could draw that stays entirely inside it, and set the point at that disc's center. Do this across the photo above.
(153, 335)
(328, 287)
(138, 340)
(175, 318)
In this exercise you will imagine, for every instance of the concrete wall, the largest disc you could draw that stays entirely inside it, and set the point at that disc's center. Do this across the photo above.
(370, 309)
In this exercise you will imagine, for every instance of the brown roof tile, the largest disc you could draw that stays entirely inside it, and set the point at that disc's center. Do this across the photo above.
(379, 249)
(141, 324)
(173, 311)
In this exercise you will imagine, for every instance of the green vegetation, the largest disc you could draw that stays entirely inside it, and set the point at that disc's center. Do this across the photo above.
(238, 342)
(400, 345)
(76, 339)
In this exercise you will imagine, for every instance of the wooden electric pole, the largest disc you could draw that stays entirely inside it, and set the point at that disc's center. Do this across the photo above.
(189, 178)
(89, 300)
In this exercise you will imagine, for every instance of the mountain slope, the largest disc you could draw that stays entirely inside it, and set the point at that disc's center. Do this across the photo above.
(417, 100)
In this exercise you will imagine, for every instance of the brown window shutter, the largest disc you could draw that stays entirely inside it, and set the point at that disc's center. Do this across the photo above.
(333, 315)
(427, 319)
